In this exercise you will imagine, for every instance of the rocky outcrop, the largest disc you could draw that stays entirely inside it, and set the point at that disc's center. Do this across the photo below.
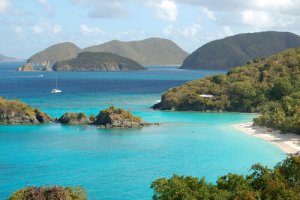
(74, 119)
(119, 118)
(17, 112)
(27, 67)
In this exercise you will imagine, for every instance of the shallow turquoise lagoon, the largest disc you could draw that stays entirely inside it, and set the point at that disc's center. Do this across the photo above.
(119, 164)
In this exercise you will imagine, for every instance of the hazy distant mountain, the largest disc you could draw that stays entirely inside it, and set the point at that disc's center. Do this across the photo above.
(97, 61)
(4, 58)
(152, 51)
(238, 49)
(55, 53)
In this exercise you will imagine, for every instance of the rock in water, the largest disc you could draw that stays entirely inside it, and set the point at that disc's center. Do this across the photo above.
(27, 67)
(74, 119)
(17, 112)
(118, 118)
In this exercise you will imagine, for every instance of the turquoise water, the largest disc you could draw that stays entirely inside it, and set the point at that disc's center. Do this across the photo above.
(119, 164)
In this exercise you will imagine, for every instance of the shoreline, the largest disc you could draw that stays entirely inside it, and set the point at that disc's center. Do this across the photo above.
(288, 143)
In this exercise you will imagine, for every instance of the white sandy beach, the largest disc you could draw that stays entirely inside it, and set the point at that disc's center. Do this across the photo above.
(289, 143)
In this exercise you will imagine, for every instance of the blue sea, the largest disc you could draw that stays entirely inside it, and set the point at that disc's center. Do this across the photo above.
(119, 163)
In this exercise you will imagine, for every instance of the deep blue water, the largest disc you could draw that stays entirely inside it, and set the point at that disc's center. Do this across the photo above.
(118, 164)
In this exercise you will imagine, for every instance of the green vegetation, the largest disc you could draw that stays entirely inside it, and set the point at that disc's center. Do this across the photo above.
(75, 119)
(49, 193)
(88, 61)
(280, 183)
(238, 49)
(55, 53)
(17, 112)
(118, 118)
(152, 51)
(270, 86)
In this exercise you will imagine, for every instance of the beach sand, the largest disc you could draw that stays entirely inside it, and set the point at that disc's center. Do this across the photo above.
(289, 143)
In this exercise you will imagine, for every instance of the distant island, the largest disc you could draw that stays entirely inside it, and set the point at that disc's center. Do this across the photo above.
(152, 51)
(269, 86)
(4, 58)
(236, 50)
(97, 61)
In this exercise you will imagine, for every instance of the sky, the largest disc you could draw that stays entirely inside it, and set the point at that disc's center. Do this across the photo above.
(29, 26)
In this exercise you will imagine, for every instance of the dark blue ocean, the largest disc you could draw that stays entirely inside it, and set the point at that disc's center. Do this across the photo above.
(119, 164)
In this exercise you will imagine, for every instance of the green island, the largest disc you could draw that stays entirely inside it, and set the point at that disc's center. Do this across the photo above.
(281, 182)
(236, 50)
(270, 86)
(97, 61)
(17, 112)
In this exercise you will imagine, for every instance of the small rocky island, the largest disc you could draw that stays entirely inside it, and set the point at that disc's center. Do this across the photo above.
(97, 61)
(119, 118)
(109, 118)
(74, 119)
(17, 112)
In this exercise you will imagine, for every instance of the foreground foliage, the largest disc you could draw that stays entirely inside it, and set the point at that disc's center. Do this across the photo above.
(282, 182)
(270, 86)
(49, 193)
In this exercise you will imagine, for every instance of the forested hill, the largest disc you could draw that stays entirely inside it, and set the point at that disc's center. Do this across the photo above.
(270, 86)
(152, 51)
(54, 53)
(238, 49)
(97, 61)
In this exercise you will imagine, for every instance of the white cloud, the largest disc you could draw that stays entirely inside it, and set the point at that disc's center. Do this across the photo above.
(4, 5)
(257, 18)
(191, 31)
(90, 30)
(46, 5)
(44, 27)
(210, 14)
(165, 9)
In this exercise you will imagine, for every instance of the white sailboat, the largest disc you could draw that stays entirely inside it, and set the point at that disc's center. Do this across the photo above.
(56, 90)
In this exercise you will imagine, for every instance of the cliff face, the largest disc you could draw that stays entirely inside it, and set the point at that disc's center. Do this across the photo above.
(88, 61)
(152, 51)
(27, 67)
(17, 112)
(237, 50)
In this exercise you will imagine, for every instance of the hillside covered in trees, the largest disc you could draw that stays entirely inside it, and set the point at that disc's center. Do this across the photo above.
(236, 50)
(282, 182)
(270, 86)
(97, 61)
(151, 51)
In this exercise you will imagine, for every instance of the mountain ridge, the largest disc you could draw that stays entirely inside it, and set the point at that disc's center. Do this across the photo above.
(238, 49)
(150, 51)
